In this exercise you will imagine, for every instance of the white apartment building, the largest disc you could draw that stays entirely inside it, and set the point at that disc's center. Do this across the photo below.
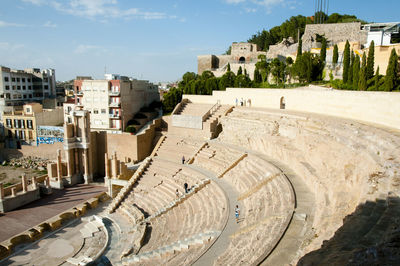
(112, 102)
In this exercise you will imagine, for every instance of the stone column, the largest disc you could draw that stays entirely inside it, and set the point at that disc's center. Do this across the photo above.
(14, 192)
(34, 182)
(69, 162)
(77, 165)
(115, 166)
(47, 181)
(1, 191)
(107, 171)
(87, 175)
(59, 166)
(24, 183)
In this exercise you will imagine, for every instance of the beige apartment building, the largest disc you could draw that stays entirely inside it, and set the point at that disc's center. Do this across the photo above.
(113, 101)
(21, 125)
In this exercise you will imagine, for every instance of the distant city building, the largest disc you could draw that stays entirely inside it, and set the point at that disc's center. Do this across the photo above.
(113, 101)
(21, 125)
(244, 55)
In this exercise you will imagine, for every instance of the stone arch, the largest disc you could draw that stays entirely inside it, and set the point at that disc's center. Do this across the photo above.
(282, 103)
(242, 60)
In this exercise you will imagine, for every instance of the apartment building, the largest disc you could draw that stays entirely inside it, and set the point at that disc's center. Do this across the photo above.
(21, 86)
(113, 101)
(21, 125)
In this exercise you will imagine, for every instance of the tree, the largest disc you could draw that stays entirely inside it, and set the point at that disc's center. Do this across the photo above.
(211, 85)
(278, 70)
(299, 49)
(308, 67)
(370, 60)
(356, 72)
(323, 50)
(206, 75)
(376, 79)
(257, 76)
(226, 81)
(240, 71)
(335, 55)
(241, 81)
(346, 62)
(362, 82)
(392, 70)
(352, 57)
(228, 68)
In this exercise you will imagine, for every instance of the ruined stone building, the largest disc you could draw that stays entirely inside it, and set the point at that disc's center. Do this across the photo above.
(243, 55)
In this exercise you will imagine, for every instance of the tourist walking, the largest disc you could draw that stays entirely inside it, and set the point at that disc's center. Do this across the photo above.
(183, 159)
(237, 101)
(185, 186)
(237, 213)
(177, 193)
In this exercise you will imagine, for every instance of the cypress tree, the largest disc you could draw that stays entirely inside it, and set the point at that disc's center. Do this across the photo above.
(391, 72)
(299, 50)
(257, 76)
(352, 57)
(240, 71)
(323, 50)
(370, 60)
(335, 55)
(362, 83)
(346, 62)
(376, 79)
(356, 72)
(229, 67)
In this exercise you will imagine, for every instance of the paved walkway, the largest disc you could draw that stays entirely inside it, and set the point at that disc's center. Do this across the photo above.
(222, 243)
(34, 213)
(300, 228)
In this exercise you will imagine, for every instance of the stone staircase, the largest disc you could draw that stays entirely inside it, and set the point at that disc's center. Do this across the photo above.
(125, 190)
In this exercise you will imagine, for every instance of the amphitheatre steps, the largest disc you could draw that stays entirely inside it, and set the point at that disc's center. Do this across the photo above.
(194, 109)
(181, 245)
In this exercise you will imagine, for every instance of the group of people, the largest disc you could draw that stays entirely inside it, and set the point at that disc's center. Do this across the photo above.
(243, 102)
(185, 187)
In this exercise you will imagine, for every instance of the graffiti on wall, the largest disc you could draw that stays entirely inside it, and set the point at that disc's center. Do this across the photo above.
(49, 134)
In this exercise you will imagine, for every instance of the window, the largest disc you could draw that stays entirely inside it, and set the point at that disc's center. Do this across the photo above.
(30, 95)
(29, 80)
(46, 80)
(5, 78)
(103, 111)
(29, 87)
(8, 123)
(22, 122)
(95, 111)
(13, 79)
(17, 79)
(15, 96)
(7, 87)
(14, 87)
(69, 120)
(24, 96)
(23, 79)
(24, 87)
(18, 87)
(15, 123)
(29, 124)
(8, 96)
(46, 87)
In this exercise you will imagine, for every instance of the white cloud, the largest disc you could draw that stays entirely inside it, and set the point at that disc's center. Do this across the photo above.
(50, 24)
(4, 24)
(250, 10)
(88, 48)
(10, 47)
(234, 1)
(100, 9)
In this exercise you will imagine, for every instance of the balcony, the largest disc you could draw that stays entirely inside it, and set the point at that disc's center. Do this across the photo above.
(114, 104)
(115, 116)
(114, 93)
(79, 93)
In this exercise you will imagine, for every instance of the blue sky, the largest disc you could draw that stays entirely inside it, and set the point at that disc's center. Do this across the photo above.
(157, 40)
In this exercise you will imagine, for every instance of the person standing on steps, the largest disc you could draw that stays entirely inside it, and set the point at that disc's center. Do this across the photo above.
(186, 187)
(177, 193)
(183, 159)
(237, 213)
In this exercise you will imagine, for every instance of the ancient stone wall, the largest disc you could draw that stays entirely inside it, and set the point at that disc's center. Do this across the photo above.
(335, 33)
(368, 106)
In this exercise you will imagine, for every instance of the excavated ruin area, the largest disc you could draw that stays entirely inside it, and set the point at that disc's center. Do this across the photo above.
(353, 169)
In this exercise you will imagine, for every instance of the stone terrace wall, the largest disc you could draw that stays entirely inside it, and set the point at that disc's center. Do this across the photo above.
(373, 107)
(335, 33)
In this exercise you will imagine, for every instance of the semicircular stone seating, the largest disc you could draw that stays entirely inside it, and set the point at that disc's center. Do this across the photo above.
(345, 163)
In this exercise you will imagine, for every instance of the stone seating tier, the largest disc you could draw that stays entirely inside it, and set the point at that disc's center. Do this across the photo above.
(195, 109)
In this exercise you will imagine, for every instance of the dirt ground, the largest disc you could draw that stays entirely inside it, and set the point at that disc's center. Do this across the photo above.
(10, 175)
